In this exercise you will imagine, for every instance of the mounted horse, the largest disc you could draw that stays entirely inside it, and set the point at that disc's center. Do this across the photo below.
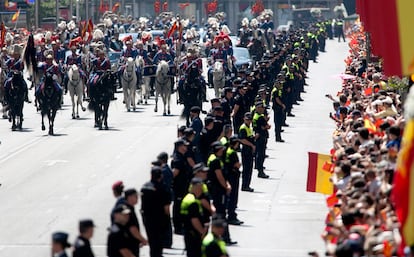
(15, 91)
(219, 77)
(144, 89)
(75, 87)
(101, 94)
(49, 95)
(163, 86)
(129, 83)
(192, 91)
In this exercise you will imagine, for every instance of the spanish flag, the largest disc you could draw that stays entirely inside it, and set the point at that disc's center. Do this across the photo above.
(15, 16)
(389, 23)
(403, 189)
(318, 177)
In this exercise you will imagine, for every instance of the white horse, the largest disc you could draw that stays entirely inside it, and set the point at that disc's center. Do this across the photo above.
(163, 86)
(219, 77)
(75, 87)
(144, 90)
(129, 83)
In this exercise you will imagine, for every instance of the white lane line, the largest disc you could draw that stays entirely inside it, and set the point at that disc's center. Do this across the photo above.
(50, 163)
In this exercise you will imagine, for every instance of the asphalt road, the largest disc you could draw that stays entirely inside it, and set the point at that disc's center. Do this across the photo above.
(50, 182)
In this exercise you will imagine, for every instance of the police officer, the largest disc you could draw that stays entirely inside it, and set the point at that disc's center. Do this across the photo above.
(248, 148)
(260, 127)
(227, 103)
(182, 174)
(213, 244)
(155, 209)
(192, 212)
(59, 244)
(119, 237)
(136, 237)
(278, 109)
(232, 165)
(339, 27)
(82, 245)
(241, 106)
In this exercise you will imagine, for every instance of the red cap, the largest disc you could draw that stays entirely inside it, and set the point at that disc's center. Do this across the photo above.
(117, 184)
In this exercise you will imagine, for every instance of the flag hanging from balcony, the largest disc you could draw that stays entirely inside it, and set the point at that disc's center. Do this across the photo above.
(10, 6)
(391, 37)
(30, 1)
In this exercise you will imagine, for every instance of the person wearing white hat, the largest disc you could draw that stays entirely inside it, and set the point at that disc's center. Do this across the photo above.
(15, 67)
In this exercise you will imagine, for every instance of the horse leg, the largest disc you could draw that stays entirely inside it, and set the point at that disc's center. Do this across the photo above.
(132, 95)
(156, 102)
(43, 123)
(96, 116)
(105, 113)
(168, 101)
(72, 97)
(80, 98)
(126, 97)
(164, 102)
(49, 117)
(13, 117)
(20, 126)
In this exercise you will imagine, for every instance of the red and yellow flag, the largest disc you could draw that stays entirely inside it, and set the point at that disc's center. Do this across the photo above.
(403, 190)
(15, 16)
(116, 6)
(389, 23)
(318, 178)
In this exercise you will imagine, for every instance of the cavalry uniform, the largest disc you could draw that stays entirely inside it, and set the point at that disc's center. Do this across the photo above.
(128, 52)
(15, 64)
(190, 68)
(163, 56)
(100, 66)
(53, 70)
(70, 60)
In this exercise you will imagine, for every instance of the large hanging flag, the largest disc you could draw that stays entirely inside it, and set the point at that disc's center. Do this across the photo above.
(2, 34)
(318, 175)
(30, 1)
(15, 16)
(403, 189)
(391, 37)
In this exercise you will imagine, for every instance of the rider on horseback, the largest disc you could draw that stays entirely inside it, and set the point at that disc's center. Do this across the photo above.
(191, 68)
(164, 55)
(217, 54)
(100, 66)
(130, 51)
(50, 68)
(15, 65)
(74, 58)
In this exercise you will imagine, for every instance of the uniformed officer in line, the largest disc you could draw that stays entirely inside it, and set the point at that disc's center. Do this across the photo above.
(182, 174)
(226, 104)
(136, 239)
(248, 149)
(278, 109)
(241, 106)
(213, 245)
(219, 187)
(201, 171)
(260, 127)
(192, 211)
(119, 237)
(82, 245)
(232, 166)
(59, 244)
(155, 210)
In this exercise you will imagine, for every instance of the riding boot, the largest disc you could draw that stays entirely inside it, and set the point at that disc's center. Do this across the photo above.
(172, 86)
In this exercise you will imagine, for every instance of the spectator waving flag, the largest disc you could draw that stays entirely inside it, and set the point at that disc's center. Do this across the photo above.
(403, 190)
(318, 174)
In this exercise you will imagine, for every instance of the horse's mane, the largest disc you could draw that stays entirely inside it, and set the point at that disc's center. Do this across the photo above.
(73, 68)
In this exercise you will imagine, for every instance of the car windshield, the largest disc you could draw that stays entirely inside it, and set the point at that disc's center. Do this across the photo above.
(241, 53)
